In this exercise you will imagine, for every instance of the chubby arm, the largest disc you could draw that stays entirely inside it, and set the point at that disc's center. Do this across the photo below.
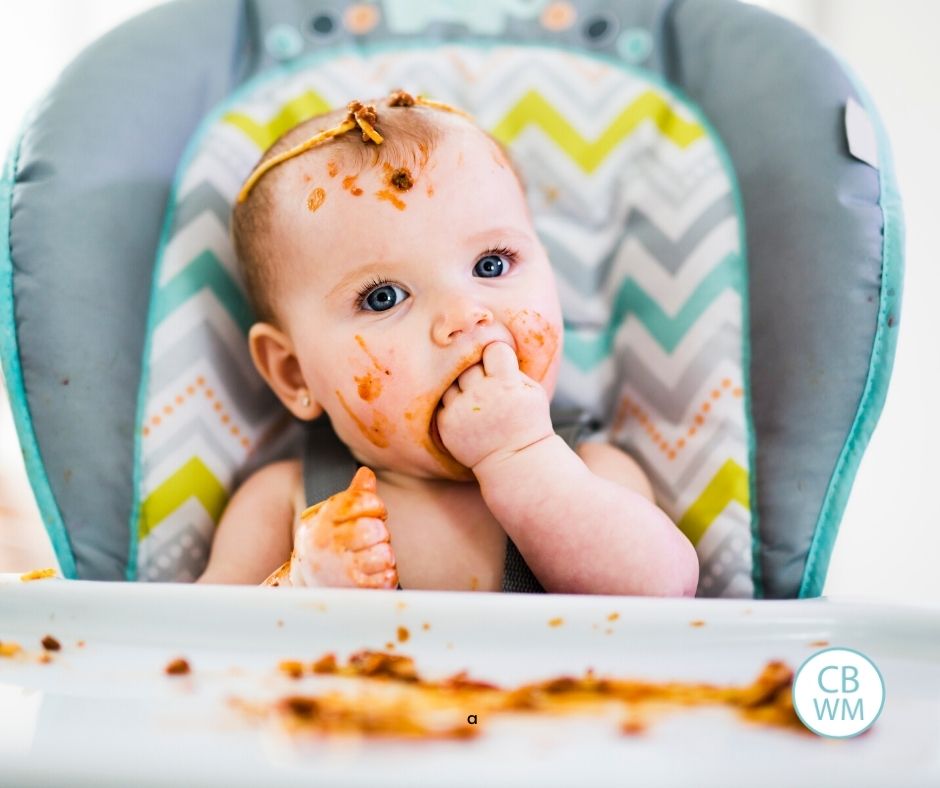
(581, 533)
(255, 534)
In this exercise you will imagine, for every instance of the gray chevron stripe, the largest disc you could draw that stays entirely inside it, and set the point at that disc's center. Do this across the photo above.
(672, 185)
(673, 401)
(202, 198)
(670, 255)
(183, 430)
(181, 558)
(703, 452)
(541, 160)
(730, 577)
(201, 343)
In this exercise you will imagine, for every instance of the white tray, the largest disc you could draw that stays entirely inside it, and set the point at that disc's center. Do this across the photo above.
(106, 714)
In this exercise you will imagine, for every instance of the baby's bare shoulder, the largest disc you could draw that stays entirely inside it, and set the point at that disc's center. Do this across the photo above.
(614, 464)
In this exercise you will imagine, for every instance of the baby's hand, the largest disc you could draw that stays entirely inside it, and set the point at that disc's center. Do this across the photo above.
(343, 541)
(493, 407)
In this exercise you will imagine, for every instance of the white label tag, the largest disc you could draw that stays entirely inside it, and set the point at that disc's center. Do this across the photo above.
(860, 133)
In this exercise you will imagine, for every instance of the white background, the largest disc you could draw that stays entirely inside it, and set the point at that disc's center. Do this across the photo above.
(889, 541)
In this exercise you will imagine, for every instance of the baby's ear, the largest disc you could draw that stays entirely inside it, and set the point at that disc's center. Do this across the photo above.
(274, 357)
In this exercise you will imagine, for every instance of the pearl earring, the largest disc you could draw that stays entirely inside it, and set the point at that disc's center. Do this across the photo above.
(305, 401)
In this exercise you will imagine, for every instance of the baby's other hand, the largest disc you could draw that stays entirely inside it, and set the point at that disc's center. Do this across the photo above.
(344, 542)
(493, 407)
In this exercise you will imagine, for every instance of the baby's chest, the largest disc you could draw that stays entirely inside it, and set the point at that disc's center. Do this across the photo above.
(445, 542)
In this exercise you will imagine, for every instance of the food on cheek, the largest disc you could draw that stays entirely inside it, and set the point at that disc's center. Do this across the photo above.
(369, 385)
(377, 433)
(536, 342)
(378, 365)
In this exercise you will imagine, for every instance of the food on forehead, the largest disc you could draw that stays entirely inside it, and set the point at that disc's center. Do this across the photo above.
(359, 115)
(315, 199)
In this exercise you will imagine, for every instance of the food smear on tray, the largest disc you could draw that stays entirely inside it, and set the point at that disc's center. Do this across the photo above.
(38, 574)
(394, 701)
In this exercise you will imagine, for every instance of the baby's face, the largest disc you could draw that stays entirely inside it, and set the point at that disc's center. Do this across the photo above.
(464, 268)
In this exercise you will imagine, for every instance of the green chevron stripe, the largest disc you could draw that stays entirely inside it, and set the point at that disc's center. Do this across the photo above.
(295, 111)
(729, 484)
(533, 109)
(587, 351)
(204, 271)
(192, 479)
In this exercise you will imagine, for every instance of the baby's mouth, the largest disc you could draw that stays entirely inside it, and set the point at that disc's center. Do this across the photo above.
(432, 429)
(435, 433)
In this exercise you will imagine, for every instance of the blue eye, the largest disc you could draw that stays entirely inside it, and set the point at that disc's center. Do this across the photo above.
(379, 296)
(492, 265)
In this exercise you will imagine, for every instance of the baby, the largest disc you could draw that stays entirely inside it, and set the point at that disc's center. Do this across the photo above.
(401, 289)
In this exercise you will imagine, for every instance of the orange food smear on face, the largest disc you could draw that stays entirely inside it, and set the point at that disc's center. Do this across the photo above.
(377, 433)
(315, 199)
(332, 168)
(536, 342)
(422, 146)
(378, 366)
(349, 184)
(420, 413)
(430, 190)
(385, 194)
(369, 386)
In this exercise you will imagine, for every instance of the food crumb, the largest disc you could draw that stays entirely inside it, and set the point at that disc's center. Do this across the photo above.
(80, 644)
(556, 622)
(292, 668)
(326, 664)
(177, 667)
(49, 643)
(38, 574)
(820, 643)
(632, 727)
(425, 626)
(280, 623)
(389, 645)
(697, 623)
(403, 634)
(613, 616)
(10, 649)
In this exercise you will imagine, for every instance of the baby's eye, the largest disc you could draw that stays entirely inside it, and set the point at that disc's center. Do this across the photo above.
(492, 265)
(380, 299)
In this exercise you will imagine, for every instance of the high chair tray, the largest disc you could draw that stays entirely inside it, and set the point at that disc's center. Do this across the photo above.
(101, 710)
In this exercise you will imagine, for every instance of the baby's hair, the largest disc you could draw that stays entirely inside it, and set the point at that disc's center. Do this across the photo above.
(363, 116)
(400, 133)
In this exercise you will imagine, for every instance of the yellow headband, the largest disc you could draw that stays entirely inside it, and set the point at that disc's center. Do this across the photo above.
(363, 116)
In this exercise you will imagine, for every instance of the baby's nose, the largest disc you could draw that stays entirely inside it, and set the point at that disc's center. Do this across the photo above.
(460, 316)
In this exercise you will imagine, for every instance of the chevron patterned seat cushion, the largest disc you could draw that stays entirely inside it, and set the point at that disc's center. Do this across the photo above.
(637, 204)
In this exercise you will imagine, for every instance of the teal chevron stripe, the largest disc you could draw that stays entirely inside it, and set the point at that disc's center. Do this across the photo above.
(587, 352)
(204, 271)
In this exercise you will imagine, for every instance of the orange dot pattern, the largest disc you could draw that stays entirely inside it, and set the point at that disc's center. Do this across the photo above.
(671, 449)
(191, 391)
